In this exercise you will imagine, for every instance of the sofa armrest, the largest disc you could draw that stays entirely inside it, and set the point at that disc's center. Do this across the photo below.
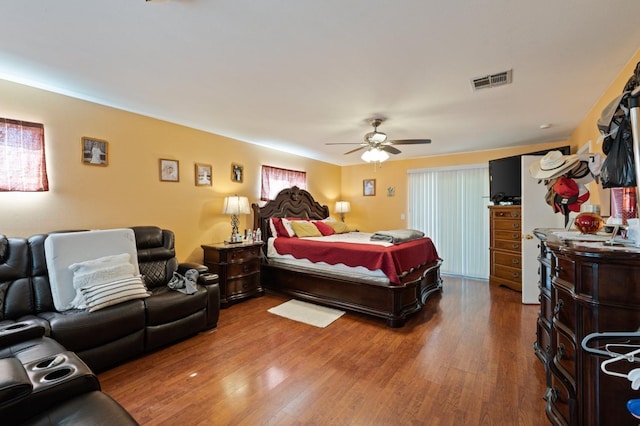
(184, 267)
(14, 381)
(210, 283)
(10, 334)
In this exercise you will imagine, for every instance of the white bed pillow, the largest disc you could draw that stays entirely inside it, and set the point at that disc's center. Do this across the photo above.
(287, 226)
(98, 271)
(66, 248)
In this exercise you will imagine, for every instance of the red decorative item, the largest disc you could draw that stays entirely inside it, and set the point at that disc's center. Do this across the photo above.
(589, 223)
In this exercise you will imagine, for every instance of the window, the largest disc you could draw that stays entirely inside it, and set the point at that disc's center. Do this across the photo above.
(450, 206)
(22, 162)
(275, 180)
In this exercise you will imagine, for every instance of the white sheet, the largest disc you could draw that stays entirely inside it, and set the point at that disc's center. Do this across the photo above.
(64, 249)
(358, 273)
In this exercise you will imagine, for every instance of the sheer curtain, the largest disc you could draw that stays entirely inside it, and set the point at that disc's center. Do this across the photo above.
(450, 206)
(22, 162)
(275, 180)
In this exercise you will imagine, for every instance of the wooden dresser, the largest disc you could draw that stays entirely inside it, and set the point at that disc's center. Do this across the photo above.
(238, 266)
(585, 289)
(505, 246)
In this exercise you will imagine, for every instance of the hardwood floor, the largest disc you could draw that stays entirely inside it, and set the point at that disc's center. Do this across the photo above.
(465, 359)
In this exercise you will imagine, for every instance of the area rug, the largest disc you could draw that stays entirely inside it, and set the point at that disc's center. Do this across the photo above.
(308, 313)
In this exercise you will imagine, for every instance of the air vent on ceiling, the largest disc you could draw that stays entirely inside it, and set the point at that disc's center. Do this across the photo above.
(492, 80)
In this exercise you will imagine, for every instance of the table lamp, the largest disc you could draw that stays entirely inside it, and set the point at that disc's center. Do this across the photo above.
(235, 206)
(343, 207)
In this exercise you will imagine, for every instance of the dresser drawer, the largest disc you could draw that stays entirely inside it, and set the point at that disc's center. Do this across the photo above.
(506, 224)
(244, 254)
(564, 269)
(507, 273)
(512, 260)
(564, 311)
(565, 355)
(239, 286)
(502, 213)
(242, 269)
(559, 402)
(514, 245)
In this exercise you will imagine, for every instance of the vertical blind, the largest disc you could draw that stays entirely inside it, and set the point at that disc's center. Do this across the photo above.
(450, 206)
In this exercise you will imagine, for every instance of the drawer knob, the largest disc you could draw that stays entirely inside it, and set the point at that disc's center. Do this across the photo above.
(245, 268)
(561, 351)
(516, 275)
(515, 261)
(516, 246)
(558, 271)
(500, 214)
(558, 308)
(516, 225)
(516, 236)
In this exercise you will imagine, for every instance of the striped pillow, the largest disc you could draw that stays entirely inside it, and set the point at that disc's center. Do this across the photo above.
(102, 295)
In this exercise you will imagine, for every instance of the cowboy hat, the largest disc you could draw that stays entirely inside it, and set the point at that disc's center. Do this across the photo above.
(552, 165)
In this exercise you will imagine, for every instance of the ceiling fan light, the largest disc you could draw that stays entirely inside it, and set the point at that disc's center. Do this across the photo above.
(375, 155)
(367, 156)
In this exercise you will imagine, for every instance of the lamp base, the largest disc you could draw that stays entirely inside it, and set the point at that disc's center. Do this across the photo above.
(233, 242)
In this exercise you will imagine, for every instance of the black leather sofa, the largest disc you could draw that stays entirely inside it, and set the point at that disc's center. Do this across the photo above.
(78, 343)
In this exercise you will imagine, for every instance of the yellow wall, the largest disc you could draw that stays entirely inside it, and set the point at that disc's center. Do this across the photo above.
(370, 214)
(128, 191)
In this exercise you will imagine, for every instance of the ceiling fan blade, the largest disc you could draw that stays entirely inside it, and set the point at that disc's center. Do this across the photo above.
(345, 143)
(410, 141)
(354, 150)
(390, 149)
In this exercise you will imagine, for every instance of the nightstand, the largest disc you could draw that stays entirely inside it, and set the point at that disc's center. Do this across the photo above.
(238, 266)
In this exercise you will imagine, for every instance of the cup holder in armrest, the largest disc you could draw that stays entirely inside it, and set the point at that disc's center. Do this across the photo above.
(49, 362)
(52, 380)
(58, 374)
(19, 332)
(60, 368)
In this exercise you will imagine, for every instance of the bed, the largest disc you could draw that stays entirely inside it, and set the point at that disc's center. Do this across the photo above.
(372, 293)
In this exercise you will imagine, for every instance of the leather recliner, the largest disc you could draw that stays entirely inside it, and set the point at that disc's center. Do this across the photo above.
(172, 315)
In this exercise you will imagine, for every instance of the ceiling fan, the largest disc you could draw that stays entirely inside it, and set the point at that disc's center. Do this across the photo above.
(378, 140)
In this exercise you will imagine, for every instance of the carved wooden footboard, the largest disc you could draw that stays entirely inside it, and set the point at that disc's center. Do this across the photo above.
(392, 302)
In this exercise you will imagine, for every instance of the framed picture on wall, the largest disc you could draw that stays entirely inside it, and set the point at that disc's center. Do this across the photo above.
(368, 187)
(95, 152)
(203, 174)
(169, 171)
(237, 172)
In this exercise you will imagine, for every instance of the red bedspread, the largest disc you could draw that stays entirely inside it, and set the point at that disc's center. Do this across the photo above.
(392, 260)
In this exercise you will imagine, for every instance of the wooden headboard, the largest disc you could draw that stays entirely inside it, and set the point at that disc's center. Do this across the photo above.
(290, 202)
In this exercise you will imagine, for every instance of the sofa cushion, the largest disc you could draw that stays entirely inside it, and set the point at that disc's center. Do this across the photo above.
(67, 248)
(78, 329)
(166, 305)
(90, 408)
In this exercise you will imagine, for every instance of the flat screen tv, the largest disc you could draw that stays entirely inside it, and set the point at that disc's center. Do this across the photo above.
(505, 176)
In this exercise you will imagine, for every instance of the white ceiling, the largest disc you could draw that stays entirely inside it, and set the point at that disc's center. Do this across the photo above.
(295, 74)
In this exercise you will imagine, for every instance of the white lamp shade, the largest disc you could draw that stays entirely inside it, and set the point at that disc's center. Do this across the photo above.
(343, 207)
(236, 205)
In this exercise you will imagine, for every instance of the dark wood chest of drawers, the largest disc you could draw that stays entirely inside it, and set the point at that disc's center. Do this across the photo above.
(505, 246)
(585, 290)
(238, 266)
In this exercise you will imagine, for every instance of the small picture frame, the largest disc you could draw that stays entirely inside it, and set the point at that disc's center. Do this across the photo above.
(391, 191)
(237, 172)
(169, 170)
(203, 173)
(368, 187)
(95, 152)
